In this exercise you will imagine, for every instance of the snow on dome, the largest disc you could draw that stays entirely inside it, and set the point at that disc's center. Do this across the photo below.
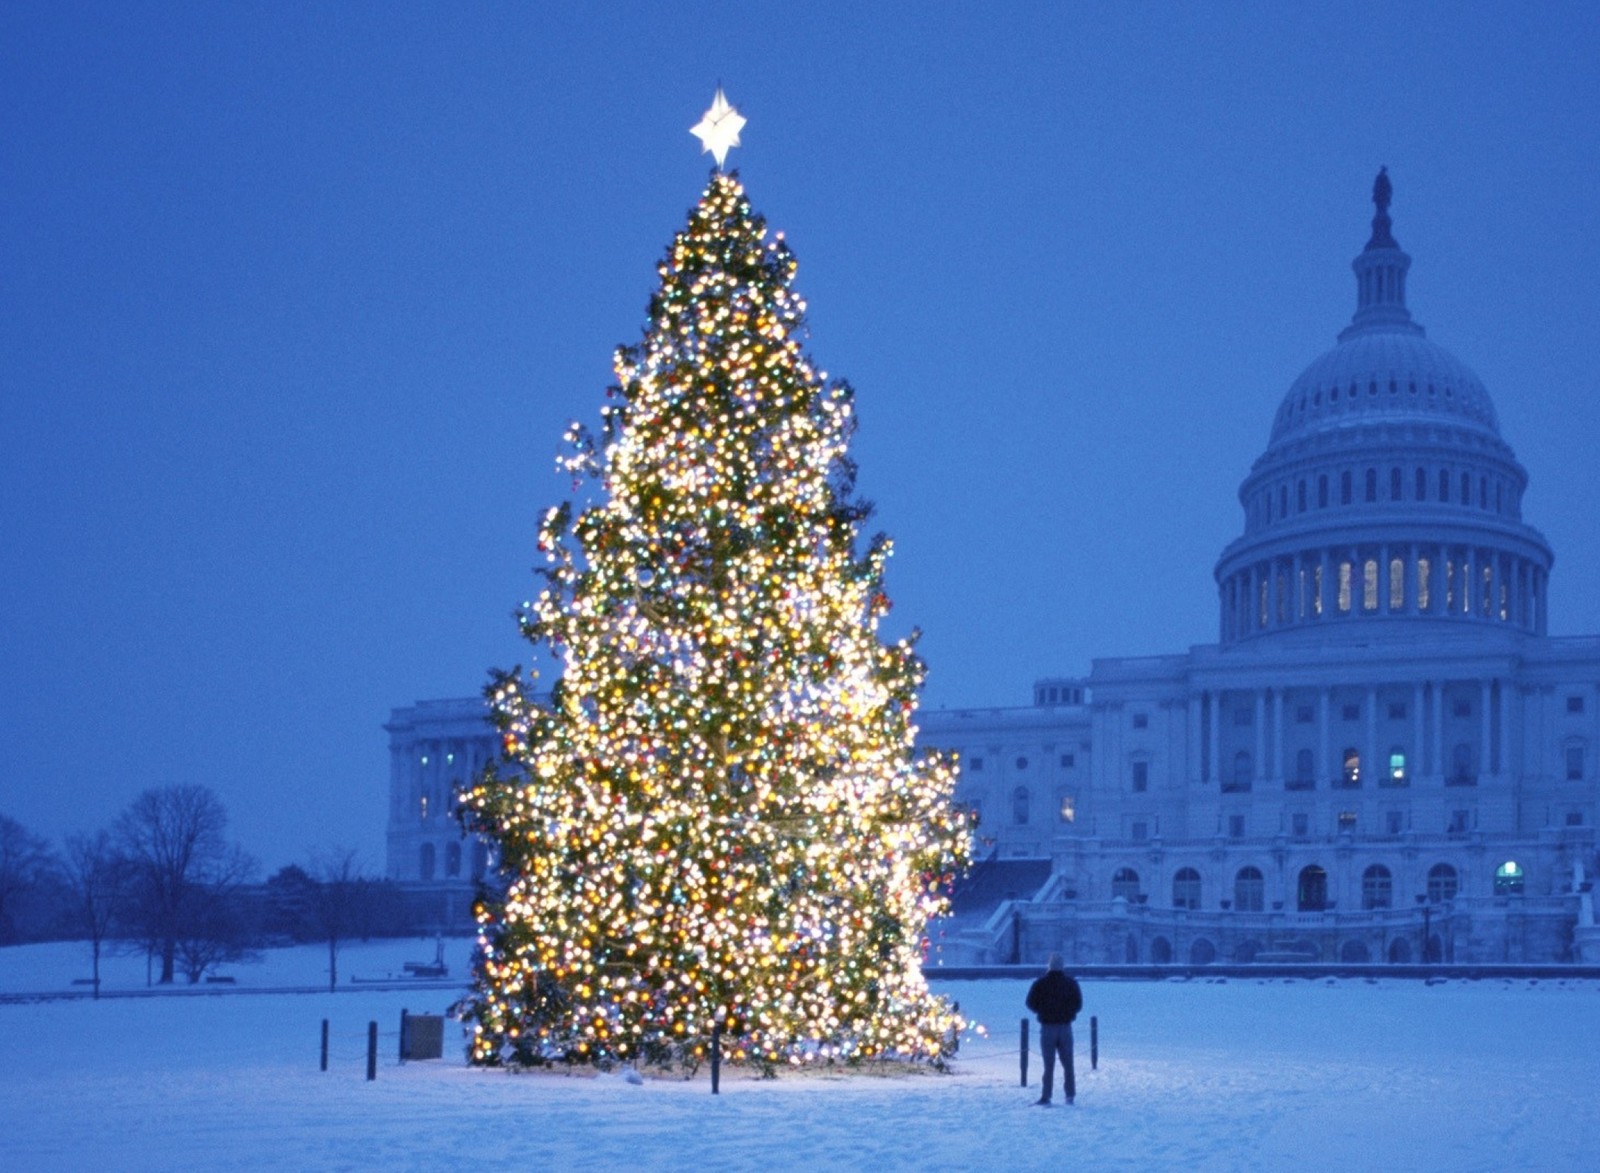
(1382, 375)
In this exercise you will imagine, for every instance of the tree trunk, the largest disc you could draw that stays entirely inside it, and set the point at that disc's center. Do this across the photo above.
(169, 951)
(333, 965)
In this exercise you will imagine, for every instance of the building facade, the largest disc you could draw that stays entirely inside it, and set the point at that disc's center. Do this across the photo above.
(1384, 756)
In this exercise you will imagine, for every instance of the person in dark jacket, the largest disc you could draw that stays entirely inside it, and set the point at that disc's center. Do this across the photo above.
(1056, 999)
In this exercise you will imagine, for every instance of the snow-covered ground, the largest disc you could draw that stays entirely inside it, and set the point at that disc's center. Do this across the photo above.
(1218, 1074)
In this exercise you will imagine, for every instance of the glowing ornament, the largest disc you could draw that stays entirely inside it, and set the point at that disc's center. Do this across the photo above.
(719, 130)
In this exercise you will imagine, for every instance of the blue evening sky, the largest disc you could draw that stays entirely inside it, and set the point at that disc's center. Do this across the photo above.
(296, 300)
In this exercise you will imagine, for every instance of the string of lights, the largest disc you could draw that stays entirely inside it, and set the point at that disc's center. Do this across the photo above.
(717, 816)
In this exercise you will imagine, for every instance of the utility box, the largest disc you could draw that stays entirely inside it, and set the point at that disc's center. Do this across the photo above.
(421, 1036)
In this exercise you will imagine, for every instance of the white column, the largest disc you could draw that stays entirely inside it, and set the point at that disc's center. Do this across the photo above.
(1369, 758)
(1216, 737)
(1261, 732)
(1487, 732)
(1323, 732)
(1440, 759)
(1277, 736)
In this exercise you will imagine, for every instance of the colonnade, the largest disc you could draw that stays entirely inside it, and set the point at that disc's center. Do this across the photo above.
(1311, 586)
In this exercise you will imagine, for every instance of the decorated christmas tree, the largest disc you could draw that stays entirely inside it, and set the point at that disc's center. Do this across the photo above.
(716, 817)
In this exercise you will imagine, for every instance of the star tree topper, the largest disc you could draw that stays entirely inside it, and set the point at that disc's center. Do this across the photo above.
(719, 129)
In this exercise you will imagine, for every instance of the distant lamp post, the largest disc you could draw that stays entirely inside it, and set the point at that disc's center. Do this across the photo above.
(1427, 928)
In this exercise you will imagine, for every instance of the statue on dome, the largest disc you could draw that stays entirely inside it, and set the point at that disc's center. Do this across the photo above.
(1382, 190)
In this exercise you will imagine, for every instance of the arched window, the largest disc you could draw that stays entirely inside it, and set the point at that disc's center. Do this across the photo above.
(1369, 585)
(1466, 488)
(1443, 883)
(452, 859)
(1160, 951)
(1322, 491)
(1125, 883)
(1509, 879)
(1444, 484)
(1372, 484)
(1345, 586)
(1249, 890)
(1019, 805)
(1377, 887)
(1304, 776)
(1461, 766)
(425, 863)
(1351, 777)
(1283, 501)
(1300, 496)
(1397, 584)
(1186, 889)
(1243, 771)
(1395, 481)
(1313, 889)
(1344, 487)
(1422, 484)
(1397, 767)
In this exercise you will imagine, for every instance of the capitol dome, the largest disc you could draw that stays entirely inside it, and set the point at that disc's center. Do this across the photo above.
(1386, 491)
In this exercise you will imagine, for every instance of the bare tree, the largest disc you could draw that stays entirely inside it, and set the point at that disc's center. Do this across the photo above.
(26, 862)
(184, 869)
(98, 880)
(341, 903)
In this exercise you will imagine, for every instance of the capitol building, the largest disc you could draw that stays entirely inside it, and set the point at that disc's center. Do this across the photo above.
(1384, 757)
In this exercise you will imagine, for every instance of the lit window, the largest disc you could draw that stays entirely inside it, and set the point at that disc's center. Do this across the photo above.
(1344, 588)
(1422, 584)
(1369, 585)
(1397, 584)
(1069, 808)
(1352, 768)
(1488, 590)
(1316, 591)
(423, 812)
(1397, 767)
(1509, 879)
(1449, 586)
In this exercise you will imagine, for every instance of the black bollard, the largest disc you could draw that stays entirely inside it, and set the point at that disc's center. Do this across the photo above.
(1094, 1042)
(324, 1044)
(372, 1051)
(404, 1014)
(716, 1057)
(1024, 1052)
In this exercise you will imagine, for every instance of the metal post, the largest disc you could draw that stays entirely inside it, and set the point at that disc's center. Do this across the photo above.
(716, 1057)
(404, 1014)
(372, 1051)
(1024, 1056)
(324, 1044)
(1094, 1042)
